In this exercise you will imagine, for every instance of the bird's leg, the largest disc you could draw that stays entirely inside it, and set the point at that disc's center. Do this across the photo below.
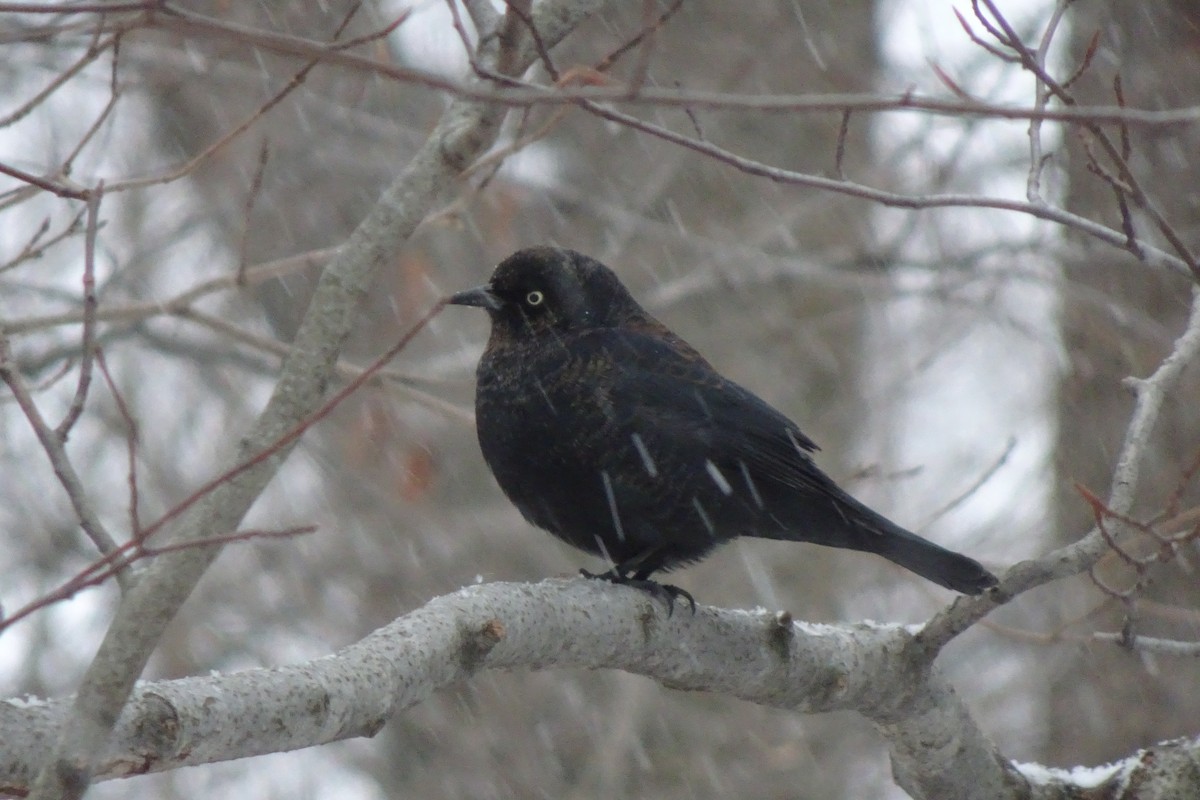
(645, 565)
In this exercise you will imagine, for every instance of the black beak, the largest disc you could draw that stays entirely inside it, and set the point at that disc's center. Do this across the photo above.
(480, 296)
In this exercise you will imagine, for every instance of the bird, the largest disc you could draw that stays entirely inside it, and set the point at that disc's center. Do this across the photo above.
(608, 430)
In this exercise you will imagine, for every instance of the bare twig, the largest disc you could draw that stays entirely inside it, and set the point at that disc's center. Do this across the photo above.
(127, 555)
(839, 152)
(349, 372)
(88, 345)
(136, 312)
(90, 55)
(992, 49)
(59, 461)
(483, 15)
(640, 70)
(58, 9)
(1085, 63)
(137, 627)
(1147, 254)
(1079, 556)
(264, 153)
(189, 166)
(521, 11)
(55, 187)
(131, 441)
(979, 482)
(1150, 644)
(37, 245)
(1029, 61)
(517, 93)
(1037, 160)
(297, 430)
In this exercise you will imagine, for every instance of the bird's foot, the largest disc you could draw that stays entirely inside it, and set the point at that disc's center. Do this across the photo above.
(663, 591)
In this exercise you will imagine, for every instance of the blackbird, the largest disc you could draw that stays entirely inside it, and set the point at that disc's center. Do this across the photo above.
(611, 432)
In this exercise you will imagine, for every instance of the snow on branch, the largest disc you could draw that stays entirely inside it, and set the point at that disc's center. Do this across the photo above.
(760, 656)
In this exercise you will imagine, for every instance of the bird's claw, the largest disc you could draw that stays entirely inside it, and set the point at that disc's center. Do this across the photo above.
(666, 592)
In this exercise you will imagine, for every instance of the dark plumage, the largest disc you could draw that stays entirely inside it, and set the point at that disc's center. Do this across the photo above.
(609, 431)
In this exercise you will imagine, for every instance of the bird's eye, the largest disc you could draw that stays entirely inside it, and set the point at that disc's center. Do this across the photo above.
(535, 298)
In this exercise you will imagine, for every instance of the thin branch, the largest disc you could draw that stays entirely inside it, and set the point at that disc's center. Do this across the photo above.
(299, 428)
(90, 55)
(839, 151)
(137, 312)
(483, 15)
(1137, 193)
(260, 169)
(37, 245)
(525, 94)
(88, 345)
(114, 94)
(1037, 160)
(1080, 555)
(68, 478)
(978, 484)
(55, 187)
(463, 132)
(648, 30)
(1147, 254)
(350, 372)
(188, 167)
(1150, 644)
(59, 9)
(129, 554)
(640, 70)
(131, 441)
(993, 50)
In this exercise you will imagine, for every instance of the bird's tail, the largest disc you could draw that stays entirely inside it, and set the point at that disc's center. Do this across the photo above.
(933, 562)
(850, 524)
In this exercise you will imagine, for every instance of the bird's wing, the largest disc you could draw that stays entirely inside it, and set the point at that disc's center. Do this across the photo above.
(676, 396)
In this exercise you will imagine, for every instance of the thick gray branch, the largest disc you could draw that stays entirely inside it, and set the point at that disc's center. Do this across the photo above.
(937, 750)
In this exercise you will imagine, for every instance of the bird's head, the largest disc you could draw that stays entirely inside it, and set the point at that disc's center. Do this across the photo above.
(541, 289)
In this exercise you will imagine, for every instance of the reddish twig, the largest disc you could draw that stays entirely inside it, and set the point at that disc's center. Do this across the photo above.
(535, 36)
(299, 428)
(367, 38)
(1126, 177)
(950, 83)
(1084, 63)
(191, 164)
(648, 30)
(640, 70)
(986, 45)
(116, 563)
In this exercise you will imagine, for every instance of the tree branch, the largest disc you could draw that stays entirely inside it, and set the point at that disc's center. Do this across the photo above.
(757, 656)
(465, 130)
(1079, 556)
(765, 658)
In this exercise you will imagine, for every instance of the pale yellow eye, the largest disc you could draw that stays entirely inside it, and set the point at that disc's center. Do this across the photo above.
(535, 298)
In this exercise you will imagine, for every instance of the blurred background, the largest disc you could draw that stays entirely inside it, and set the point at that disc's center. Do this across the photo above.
(961, 369)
